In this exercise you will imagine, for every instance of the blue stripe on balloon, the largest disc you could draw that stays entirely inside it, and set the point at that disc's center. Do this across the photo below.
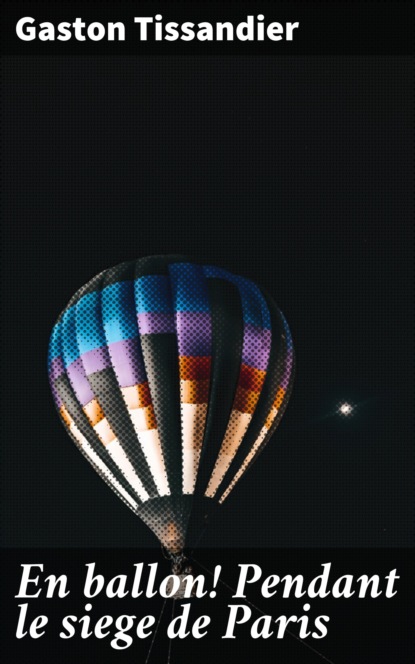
(54, 343)
(254, 306)
(189, 288)
(70, 348)
(153, 294)
(89, 332)
(118, 312)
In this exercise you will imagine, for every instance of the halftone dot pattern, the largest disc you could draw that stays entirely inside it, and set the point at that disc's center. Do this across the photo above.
(295, 171)
(134, 365)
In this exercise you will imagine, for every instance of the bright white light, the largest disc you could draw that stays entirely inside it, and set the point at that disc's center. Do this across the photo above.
(346, 409)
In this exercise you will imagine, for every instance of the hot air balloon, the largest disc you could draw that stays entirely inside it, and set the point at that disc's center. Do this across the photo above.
(170, 377)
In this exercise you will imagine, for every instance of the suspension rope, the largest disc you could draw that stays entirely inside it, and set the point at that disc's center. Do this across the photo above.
(170, 640)
(155, 632)
(196, 544)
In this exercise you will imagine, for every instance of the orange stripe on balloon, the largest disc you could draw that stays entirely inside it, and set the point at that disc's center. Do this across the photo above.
(194, 391)
(65, 416)
(194, 368)
(94, 412)
(279, 397)
(251, 378)
(137, 396)
(245, 400)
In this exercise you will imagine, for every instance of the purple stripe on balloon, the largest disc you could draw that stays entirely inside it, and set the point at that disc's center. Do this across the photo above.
(56, 369)
(127, 362)
(256, 346)
(155, 323)
(79, 382)
(194, 333)
(96, 360)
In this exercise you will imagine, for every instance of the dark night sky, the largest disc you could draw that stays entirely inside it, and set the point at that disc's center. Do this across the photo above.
(293, 171)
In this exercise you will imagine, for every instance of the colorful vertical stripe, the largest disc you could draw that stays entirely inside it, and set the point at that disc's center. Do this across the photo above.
(254, 362)
(280, 396)
(194, 342)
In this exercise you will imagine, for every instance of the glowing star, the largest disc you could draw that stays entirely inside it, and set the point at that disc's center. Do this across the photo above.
(346, 409)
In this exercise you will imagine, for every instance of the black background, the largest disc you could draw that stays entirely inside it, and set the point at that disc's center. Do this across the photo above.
(295, 171)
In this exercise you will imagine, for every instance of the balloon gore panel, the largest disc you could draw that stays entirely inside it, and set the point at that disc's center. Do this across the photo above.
(170, 377)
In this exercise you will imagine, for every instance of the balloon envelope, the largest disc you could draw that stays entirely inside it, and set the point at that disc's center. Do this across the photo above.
(170, 376)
